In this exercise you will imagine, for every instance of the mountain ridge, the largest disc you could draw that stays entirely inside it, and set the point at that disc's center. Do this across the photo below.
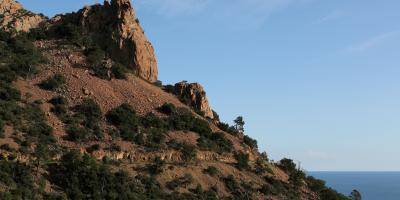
(79, 96)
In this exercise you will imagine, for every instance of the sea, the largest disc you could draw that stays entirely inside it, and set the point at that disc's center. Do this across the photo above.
(371, 185)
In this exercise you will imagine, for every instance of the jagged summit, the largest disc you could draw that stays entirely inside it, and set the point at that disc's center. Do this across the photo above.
(113, 25)
(14, 17)
(116, 24)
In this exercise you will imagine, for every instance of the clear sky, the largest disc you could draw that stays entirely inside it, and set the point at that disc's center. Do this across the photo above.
(316, 80)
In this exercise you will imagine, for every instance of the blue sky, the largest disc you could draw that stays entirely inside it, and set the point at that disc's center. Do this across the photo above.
(316, 80)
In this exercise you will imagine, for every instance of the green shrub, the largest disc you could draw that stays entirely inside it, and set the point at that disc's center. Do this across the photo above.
(18, 56)
(93, 148)
(158, 83)
(170, 89)
(37, 34)
(122, 115)
(37, 127)
(184, 120)
(265, 189)
(252, 143)
(77, 133)
(8, 93)
(229, 129)
(167, 108)
(1, 128)
(53, 83)
(157, 167)
(95, 56)
(42, 155)
(262, 166)
(153, 129)
(155, 139)
(119, 71)
(296, 176)
(18, 178)
(127, 122)
(7, 75)
(84, 123)
(42, 131)
(319, 187)
(331, 194)
(21, 46)
(72, 33)
(274, 186)
(81, 177)
(115, 147)
(60, 106)
(247, 190)
(242, 160)
(90, 111)
(199, 112)
(201, 194)
(216, 142)
(216, 116)
(152, 121)
(189, 152)
(231, 184)
(239, 124)
(183, 181)
(27, 118)
(129, 133)
(101, 72)
(212, 171)
(287, 165)
(314, 184)
(125, 119)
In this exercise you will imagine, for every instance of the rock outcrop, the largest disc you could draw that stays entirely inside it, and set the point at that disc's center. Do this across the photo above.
(13, 17)
(115, 27)
(193, 94)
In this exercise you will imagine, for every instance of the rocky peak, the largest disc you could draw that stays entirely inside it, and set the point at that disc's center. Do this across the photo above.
(193, 94)
(13, 17)
(115, 25)
(9, 6)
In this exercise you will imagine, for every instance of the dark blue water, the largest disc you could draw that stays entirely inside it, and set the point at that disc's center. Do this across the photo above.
(372, 185)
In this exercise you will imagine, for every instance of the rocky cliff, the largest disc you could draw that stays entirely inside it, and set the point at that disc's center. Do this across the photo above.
(112, 25)
(194, 95)
(14, 17)
(116, 25)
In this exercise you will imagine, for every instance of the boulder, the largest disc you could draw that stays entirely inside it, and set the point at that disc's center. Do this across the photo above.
(193, 94)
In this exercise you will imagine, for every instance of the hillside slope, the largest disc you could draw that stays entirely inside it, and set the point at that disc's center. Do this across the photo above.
(78, 121)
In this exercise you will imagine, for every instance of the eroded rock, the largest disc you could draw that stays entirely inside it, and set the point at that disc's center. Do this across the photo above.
(194, 95)
(13, 17)
(115, 26)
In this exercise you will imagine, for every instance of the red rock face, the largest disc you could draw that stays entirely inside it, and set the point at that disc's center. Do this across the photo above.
(15, 18)
(113, 24)
(116, 24)
(194, 95)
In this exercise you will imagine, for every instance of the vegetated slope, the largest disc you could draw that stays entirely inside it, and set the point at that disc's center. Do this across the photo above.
(75, 123)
